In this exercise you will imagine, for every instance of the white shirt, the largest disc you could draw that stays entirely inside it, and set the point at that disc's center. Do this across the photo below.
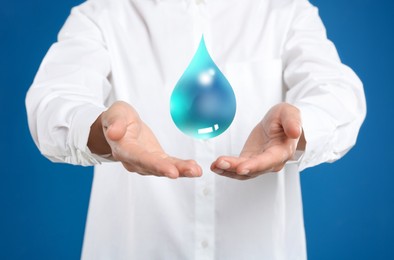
(136, 50)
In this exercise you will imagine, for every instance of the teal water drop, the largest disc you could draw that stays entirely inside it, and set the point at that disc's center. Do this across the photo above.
(202, 103)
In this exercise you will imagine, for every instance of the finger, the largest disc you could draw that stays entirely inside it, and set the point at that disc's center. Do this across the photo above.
(226, 163)
(268, 161)
(155, 165)
(159, 170)
(138, 160)
(187, 168)
(235, 176)
(291, 121)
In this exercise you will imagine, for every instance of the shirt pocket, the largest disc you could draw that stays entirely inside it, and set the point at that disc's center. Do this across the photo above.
(258, 85)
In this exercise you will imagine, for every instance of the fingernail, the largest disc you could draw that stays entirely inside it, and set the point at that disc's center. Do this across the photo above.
(172, 175)
(245, 172)
(189, 173)
(218, 171)
(224, 165)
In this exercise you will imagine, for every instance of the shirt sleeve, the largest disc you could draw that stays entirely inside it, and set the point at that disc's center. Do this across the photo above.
(328, 93)
(69, 91)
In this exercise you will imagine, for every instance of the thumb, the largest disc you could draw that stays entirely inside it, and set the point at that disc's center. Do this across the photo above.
(116, 130)
(291, 121)
(115, 121)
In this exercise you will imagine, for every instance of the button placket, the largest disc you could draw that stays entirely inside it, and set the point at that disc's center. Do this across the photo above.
(206, 191)
(201, 26)
(204, 244)
(204, 202)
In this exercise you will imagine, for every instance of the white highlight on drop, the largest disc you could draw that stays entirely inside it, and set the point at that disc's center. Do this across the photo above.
(206, 77)
(208, 129)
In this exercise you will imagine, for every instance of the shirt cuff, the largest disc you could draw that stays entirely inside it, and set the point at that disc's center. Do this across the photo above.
(78, 137)
(318, 131)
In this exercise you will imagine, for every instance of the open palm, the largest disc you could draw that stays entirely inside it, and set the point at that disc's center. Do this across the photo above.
(133, 143)
(269, 146)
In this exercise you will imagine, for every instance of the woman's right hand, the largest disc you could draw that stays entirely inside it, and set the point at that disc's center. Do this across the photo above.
(119, 131)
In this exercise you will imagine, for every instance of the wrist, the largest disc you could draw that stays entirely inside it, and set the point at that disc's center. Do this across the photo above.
(97, 143)
(301, 145)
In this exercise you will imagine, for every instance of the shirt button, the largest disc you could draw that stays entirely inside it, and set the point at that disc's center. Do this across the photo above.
(206, 191)
(204, 244)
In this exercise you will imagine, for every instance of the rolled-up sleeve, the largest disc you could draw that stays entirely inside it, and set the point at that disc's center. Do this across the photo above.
(69, 91)
(328, 93)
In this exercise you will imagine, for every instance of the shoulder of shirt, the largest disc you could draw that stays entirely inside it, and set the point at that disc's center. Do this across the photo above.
(283, 3)
(94, 8)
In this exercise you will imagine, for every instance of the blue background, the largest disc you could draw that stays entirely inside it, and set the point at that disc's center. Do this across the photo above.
(349, 205)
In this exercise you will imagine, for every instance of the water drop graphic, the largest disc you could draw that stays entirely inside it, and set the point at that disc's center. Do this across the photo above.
(203, 102)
